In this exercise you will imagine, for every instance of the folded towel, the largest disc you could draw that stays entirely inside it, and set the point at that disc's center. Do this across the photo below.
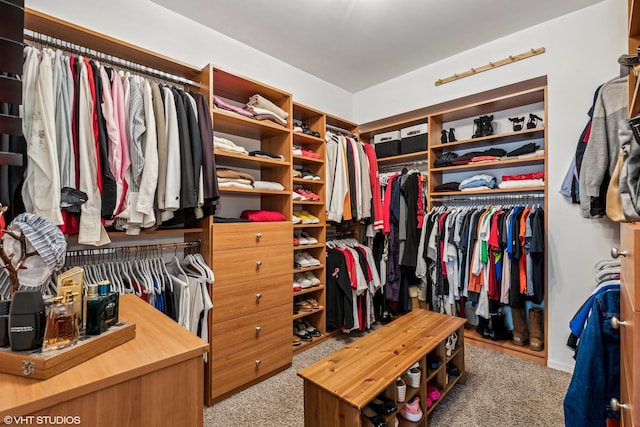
(258, 100)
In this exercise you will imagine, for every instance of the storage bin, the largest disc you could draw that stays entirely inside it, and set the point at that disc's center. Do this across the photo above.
(413, 139)
(387, 144)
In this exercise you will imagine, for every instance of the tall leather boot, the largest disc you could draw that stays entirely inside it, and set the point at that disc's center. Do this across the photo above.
(483, 327)
(536, 328)
(520, 334)
(499, 330)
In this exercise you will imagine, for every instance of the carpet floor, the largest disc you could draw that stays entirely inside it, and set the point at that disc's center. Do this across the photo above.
(500, 390)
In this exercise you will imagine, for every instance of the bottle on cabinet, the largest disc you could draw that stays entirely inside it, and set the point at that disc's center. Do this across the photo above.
(62, 323)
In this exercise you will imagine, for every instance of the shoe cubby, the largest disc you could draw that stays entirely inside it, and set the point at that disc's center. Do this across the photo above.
(339, 388)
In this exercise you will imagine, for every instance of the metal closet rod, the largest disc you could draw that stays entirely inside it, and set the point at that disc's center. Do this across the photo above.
(104, 57)
(497, 197)
(337, 129)
(138, 248)
(395, 167)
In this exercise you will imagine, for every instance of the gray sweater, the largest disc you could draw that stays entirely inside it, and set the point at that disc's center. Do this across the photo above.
(602, 149)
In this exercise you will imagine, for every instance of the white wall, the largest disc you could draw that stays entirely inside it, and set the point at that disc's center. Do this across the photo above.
(581, 53)
(146, 24)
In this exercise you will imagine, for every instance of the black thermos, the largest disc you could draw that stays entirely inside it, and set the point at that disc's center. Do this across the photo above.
(27, 321)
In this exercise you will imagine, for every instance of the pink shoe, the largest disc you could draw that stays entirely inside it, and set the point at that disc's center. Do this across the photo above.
(432, 392)
(411, 411)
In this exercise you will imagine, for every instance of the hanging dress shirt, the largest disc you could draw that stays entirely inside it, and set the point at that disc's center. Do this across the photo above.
(63, 95)
(171, 197)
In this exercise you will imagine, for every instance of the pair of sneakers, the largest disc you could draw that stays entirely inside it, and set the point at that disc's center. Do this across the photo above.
(413, 375)
(412, 411)
(304, 259)
(300, 193)
(305, 218)
(305, 280)
(305, 239)
(450, 343)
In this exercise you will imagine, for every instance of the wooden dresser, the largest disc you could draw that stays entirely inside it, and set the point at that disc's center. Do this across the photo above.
(156, 379)
(629, 318)
(251, 319)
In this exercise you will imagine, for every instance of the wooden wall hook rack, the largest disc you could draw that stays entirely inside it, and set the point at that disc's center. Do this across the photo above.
(490, 66)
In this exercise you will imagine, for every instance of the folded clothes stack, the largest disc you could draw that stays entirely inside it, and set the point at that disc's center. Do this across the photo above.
(530, 149)
(481, 181)
(491, 153)
(268, 185)
(233, 178)
(266, 155)
(447, 186)
(264, 109)
(535, 179)
(262, 215)
(228, 105)
(224, 144)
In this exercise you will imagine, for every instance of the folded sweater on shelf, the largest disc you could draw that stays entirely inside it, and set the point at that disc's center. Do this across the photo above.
(238, 180)
(226, 105)
(262, 114)
(268, 185)
(478, 180)
(533, 175)
(260, 101)
(262, 215)
(224, 144)
(234, 184)
(522, 183)
(266, 155)
(233, 174)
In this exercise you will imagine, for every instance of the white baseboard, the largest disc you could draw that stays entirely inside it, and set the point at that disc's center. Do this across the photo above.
(560, 366)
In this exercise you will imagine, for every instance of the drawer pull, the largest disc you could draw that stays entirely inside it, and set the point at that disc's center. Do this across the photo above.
(258, 296)
(258, 328)
(258, 362)
(616, 323)
(615, 253)
(258, 263)
(616, 405)
(258, 236)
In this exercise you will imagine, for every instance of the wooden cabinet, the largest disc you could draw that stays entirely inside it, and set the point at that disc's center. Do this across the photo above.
(163, 363)
(337, 388)
(630, 319)
(250, 324)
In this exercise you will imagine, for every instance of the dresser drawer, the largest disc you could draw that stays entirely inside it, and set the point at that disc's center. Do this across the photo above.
(630, 242)
(255, 330)
(240, 299)
(240, 368)
(249, 235)
(629, 350)
(240, 265)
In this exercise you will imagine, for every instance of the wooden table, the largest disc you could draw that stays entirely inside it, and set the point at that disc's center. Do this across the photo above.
(156, 379)
(337, 387)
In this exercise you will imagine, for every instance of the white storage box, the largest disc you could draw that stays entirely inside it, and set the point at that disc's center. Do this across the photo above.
(414, 139)
(413, 131)
(386, 137)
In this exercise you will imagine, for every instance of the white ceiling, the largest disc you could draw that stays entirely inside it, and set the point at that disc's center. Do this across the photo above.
(356, 44)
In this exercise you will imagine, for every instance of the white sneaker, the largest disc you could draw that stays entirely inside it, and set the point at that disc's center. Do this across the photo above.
(301, 260)
(295, 219)
(310, 239)
(303, 240)
(312, 278)
(401, 389)
(302, 280)
(412, 377)
(311, 260)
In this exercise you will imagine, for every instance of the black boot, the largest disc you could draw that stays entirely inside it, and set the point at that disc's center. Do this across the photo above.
(479, 127)
(452, 135)
(499, 330)
(533, 121)
(488, 125)
(483, 327)
(517, 123)
(444, 137)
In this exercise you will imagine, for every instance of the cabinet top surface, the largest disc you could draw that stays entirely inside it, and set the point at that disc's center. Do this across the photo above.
(360, 371)
(160, 342)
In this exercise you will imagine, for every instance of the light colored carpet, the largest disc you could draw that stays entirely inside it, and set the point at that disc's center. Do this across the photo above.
(500, 390)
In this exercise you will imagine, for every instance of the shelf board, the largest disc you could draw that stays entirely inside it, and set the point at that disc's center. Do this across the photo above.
(305, 291)
(312, 268)
(443, 393)
(253, 191)
(302, 314)
(301, 138)
(226, 158)
(304, 247)
(494, 191)
(302, 160)
(472, 337)
(308, 202)
(419, 155)
(492, 165)
(235, 124)
(319, 225)
(492, 139)
(307, 181)
(168, 231)
(308, 345)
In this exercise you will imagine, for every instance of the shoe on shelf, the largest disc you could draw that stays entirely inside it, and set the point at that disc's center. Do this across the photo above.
(450, 343)
(314, 303)
(312, 218)
(295, 219)
(296, 241)
(311, 261)
(303, 240)
(444, 137)
(452, 135)
(310, 154)
(433, 393)
(301, 333)
(517, 123)
(311, 330)
(297, 196)
(310, 239)
(376, 419)
(401, 389)
(297, 151)
(297, 286)
(412, 377)
(312, 278)
(533, 121)
(296, 173)
(303, 305)
(383, 405)
(452, 370)
(297, 127)
(302, 280)
(301, 260)
(411, 411)
(296, 341)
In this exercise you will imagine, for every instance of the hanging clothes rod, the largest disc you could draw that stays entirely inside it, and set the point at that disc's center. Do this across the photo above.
(337, 129)
(131, 249)
(104, 57)
(489, 198)
(396, 167)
